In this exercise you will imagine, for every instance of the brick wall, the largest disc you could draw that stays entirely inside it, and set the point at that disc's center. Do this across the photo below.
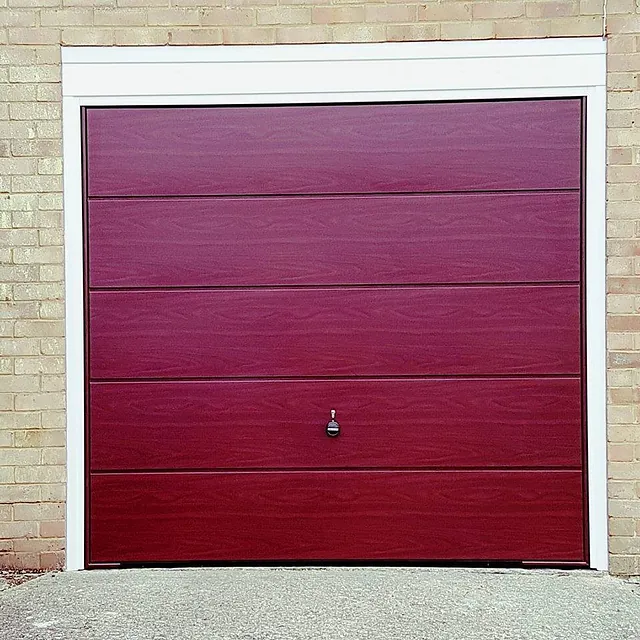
(31, 253)
(623, 286)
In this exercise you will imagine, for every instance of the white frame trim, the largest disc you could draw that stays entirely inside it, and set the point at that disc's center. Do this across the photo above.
(385, 72)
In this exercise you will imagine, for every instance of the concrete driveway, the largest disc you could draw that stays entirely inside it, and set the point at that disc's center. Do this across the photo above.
(321, 603)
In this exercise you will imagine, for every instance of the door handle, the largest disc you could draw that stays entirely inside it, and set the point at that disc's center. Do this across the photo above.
(333, 428)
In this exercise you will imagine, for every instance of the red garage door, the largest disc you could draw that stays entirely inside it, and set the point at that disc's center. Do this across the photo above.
(415, 268)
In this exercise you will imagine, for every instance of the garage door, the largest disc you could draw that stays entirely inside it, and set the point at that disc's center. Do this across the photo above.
(411, 271)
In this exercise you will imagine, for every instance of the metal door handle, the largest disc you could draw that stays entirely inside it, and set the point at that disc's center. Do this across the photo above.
(333, 428)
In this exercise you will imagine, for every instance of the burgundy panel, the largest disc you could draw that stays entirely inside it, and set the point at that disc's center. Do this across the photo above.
(488, 515)
(460, 406)
(335, 240)
(521, 144)
(388, 423)
(325, 332)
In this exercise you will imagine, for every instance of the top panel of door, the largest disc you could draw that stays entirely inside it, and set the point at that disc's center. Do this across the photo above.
(334, 149)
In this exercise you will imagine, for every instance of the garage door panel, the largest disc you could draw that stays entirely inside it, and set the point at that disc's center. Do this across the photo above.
(417, 267)
(488, 515)
(334, 240)
(388, 423)
(532, 144)
(326, 332)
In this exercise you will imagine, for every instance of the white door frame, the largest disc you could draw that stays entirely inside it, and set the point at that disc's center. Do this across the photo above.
(387, 72)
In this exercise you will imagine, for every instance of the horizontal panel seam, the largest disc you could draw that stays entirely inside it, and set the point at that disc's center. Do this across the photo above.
(363, 378)
(366, 194)
(346, 286)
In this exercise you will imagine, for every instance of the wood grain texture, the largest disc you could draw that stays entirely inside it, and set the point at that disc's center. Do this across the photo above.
(480, 515)
(335, 240)
(328, 332)
(521, 144)
(388, 423)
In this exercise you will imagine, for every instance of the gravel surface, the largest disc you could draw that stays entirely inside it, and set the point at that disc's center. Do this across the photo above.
(15, 577)
(322, 604)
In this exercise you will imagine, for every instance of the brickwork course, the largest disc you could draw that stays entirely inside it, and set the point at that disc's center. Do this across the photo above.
(32, 369)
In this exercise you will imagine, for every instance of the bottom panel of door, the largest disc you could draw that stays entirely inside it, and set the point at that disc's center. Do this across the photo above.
(337, 515)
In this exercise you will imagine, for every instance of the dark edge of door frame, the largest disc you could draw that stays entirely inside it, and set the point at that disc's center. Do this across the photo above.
(86, 330)
(559, 565)
(583, 325)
